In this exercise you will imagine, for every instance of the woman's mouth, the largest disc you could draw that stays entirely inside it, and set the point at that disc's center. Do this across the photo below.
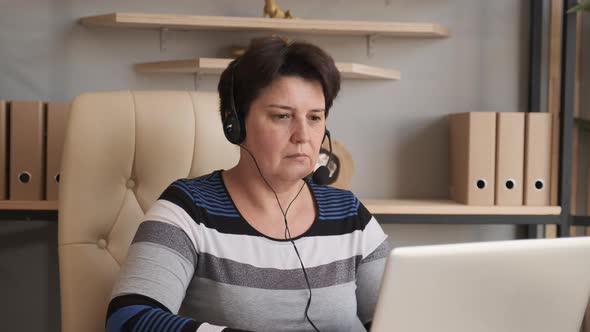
(298, 156)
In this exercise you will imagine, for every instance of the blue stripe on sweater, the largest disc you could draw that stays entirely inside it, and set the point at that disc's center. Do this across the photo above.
(334, 204)
(177, 327)
(157, 322)
(209, 206)
(154, 319)
(170, 323)
(157, 317)
(144, 320)
(119, 317)
(212, 197)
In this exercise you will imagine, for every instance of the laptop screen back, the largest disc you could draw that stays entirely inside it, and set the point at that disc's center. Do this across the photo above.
(521, 286)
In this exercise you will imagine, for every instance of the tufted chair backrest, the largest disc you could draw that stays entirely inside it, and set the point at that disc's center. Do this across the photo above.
(122, 149)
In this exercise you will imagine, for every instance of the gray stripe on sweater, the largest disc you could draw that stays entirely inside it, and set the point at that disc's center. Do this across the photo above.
(155, 271)
(228, 271)
(166, 235)
(382, 251)
(332, 308)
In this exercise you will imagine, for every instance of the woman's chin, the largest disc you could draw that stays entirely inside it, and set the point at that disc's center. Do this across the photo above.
(295, 173)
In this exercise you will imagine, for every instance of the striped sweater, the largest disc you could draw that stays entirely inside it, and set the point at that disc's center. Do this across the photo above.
(195, 264)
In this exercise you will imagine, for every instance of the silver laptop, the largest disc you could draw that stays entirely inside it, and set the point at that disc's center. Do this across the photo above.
(521, 286)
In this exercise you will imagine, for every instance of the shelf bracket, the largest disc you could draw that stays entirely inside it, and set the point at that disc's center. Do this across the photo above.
(371, 44)
(197, 80)
(164, 32)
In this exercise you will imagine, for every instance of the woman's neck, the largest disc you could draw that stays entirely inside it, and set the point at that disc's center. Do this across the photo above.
(246, 178)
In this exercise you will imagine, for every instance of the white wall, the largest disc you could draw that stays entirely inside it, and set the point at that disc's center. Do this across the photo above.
(396, 131)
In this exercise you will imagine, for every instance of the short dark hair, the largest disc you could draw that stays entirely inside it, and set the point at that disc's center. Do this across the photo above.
(269, 58)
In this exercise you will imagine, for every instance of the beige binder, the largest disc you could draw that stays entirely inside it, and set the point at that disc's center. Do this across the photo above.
(57, 116)
(26, 151)
(509, 158)
(472, 154)
(3, 151)
(537, 161)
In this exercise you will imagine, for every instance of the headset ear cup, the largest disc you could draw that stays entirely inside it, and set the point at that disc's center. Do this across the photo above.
(233, 125)
(232, 129)
(242, 132)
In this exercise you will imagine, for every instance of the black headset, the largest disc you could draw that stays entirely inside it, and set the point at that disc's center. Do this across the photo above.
(234, 129)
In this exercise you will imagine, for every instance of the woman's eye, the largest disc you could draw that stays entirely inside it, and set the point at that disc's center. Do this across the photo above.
(281, 116)
(316, 118)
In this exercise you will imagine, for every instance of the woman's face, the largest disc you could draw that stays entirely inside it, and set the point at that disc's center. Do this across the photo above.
(285, 127)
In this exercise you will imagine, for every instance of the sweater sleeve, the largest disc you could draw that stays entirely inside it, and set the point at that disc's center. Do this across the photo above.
(157, 271)
(375, 248)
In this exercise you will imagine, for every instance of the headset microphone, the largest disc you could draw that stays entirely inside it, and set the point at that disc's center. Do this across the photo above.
(321, 175)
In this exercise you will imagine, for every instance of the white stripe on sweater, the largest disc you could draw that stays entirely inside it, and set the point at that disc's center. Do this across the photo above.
(205, 327)
(265, 253)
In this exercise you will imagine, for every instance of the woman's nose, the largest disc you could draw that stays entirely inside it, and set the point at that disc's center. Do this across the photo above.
(300, 132)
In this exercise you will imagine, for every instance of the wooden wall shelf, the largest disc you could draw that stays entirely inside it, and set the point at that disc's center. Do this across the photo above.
(28, 205)
(447, 207)
(375, 206)
(217, 65)
(194, 22)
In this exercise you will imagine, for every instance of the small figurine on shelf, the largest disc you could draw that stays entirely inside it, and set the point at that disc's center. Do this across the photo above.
(237, 51)
(272, 10)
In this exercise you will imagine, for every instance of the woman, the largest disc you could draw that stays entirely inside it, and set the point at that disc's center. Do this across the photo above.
(259, 246)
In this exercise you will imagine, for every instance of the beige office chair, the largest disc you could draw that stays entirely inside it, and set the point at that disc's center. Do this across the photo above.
(122, 149)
